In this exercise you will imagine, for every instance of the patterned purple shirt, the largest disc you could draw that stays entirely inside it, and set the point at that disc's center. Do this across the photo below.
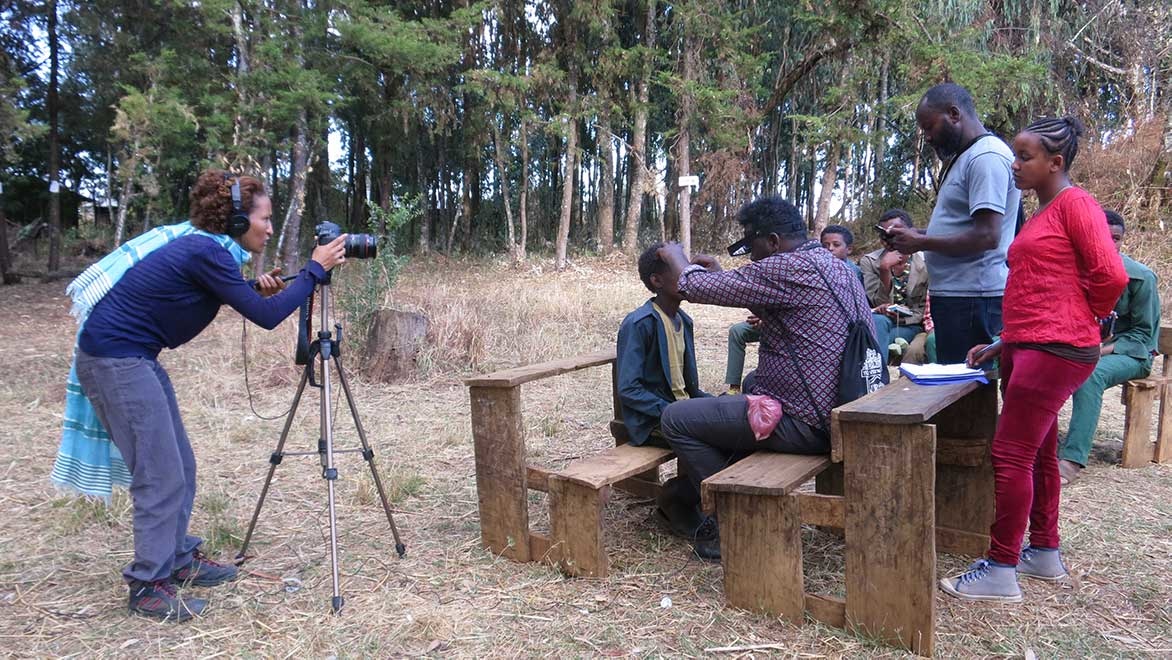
(789, 296)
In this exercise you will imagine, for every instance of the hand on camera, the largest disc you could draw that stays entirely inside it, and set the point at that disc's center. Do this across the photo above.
(331, 254)
(270, 283)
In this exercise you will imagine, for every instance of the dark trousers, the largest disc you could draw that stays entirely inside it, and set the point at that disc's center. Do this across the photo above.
(710, 434)
(962, 323)
(136, 403)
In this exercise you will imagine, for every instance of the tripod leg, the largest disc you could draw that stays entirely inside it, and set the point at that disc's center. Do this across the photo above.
(274, 461)
(368, 454)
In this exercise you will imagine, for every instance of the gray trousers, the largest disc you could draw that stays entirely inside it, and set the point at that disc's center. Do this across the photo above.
(136, 403)
(710, 434)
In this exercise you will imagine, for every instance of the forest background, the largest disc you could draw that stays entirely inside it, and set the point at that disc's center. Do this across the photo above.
(548, 127)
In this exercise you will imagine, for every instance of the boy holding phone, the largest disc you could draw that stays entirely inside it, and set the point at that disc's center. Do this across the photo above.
(896, 286)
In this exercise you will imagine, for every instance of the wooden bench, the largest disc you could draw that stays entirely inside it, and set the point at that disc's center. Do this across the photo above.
(577, 492)
(1139, 396)
(909, 472)
(761, 530)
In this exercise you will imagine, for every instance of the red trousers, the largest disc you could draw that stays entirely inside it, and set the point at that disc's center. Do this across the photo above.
(1035, 384)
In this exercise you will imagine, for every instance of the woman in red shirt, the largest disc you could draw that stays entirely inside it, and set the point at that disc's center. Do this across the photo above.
(1064, 275)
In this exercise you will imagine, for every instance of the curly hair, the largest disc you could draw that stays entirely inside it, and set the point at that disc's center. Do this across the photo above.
(211, 198)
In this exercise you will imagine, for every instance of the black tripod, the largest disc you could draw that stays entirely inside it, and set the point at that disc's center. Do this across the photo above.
(327, 348)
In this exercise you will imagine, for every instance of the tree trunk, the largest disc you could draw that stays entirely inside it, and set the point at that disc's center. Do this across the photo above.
(829, 177)
(54, 146)
(124, 199)
(606, 189)
(5, 263)
(684, 160)
(291, 231)
(358, 210)
(638, 159)
(563, 236)
(424, 244)
(792, 169)
(523, 204)
(503, 178)
(241, 39)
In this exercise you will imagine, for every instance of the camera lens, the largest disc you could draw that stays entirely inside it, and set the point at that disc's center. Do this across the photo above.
(361, 246)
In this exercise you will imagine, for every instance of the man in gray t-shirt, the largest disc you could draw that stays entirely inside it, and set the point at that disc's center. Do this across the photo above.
(972, 223)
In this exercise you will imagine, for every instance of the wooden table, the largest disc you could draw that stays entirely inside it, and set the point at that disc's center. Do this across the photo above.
(917, 478)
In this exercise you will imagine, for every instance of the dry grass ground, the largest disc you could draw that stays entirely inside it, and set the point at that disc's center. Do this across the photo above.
(61, 593)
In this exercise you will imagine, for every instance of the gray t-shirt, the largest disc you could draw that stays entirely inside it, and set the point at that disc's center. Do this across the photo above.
(979, 180)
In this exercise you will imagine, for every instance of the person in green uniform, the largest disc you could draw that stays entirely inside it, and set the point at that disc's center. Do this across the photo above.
(1125, 355)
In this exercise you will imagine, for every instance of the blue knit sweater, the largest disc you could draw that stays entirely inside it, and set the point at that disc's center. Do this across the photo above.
(175, 292)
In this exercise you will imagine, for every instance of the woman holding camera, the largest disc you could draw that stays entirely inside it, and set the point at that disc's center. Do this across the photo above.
(177, 279)
(1064, 275)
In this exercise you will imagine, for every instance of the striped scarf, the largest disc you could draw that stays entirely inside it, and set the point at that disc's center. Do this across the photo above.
(87, 462)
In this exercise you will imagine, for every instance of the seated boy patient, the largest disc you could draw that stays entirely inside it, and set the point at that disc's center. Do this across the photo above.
(656, 366)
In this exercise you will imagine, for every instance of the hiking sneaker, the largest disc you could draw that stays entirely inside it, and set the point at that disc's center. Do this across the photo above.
(706, 542)
(161, 600)
(203, 572)
(1041, 564)
(984, 580)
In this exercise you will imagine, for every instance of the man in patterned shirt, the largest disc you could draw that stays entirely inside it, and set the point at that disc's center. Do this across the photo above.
(803, 335)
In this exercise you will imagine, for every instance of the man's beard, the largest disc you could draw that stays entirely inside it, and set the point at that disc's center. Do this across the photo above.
(950, 143)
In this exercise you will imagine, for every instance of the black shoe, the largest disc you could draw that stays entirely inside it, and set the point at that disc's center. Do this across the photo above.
(161, 600)
(679, 517)
(203, 572)
(706, 542)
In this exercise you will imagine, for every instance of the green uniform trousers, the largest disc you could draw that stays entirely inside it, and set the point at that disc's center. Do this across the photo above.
(1088, 401)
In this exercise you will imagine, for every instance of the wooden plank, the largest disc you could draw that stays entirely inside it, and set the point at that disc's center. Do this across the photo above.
(822, 510)
(761, 551)
(614, 464)
(518, 375)
(964, 468)
(537, 478)
(541, 548)
(1163, 452)
(961, 542)
(575, 517)
(767, 473)
(1138, 450)
(639, 486)
(967, 452)
(890, 532)
(903, 402)
(826, 609)
(498, 440)
(835, 437)
(1164, 342)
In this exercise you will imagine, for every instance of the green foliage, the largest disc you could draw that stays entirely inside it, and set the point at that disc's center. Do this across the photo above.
(366, 284)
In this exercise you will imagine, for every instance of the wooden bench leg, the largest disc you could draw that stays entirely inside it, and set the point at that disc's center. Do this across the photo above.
(1137, 428)
(890, 532)
(498, 439)
(1163, 452)
(761, 550)
(575, 517)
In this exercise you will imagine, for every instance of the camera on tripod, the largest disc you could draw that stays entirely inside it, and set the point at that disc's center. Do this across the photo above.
(358, 246)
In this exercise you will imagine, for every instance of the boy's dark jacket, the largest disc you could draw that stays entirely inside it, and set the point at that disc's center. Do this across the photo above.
(644, 378)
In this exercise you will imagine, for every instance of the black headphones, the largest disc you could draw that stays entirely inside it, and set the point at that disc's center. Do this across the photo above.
(238, 221)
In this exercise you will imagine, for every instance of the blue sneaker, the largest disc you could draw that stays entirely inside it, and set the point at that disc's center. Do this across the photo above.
(203, 572)
(1041, 564)
(984, 580)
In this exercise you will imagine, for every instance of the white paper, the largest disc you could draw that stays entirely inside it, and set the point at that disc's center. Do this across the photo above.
(930, 371)
(54, 187)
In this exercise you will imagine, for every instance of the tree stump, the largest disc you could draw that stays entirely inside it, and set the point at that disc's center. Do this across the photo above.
(392, 344)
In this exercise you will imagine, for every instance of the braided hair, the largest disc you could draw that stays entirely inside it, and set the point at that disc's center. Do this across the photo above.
(1058, 136)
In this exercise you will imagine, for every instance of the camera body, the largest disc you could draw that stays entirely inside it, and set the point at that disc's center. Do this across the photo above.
(358, 246)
